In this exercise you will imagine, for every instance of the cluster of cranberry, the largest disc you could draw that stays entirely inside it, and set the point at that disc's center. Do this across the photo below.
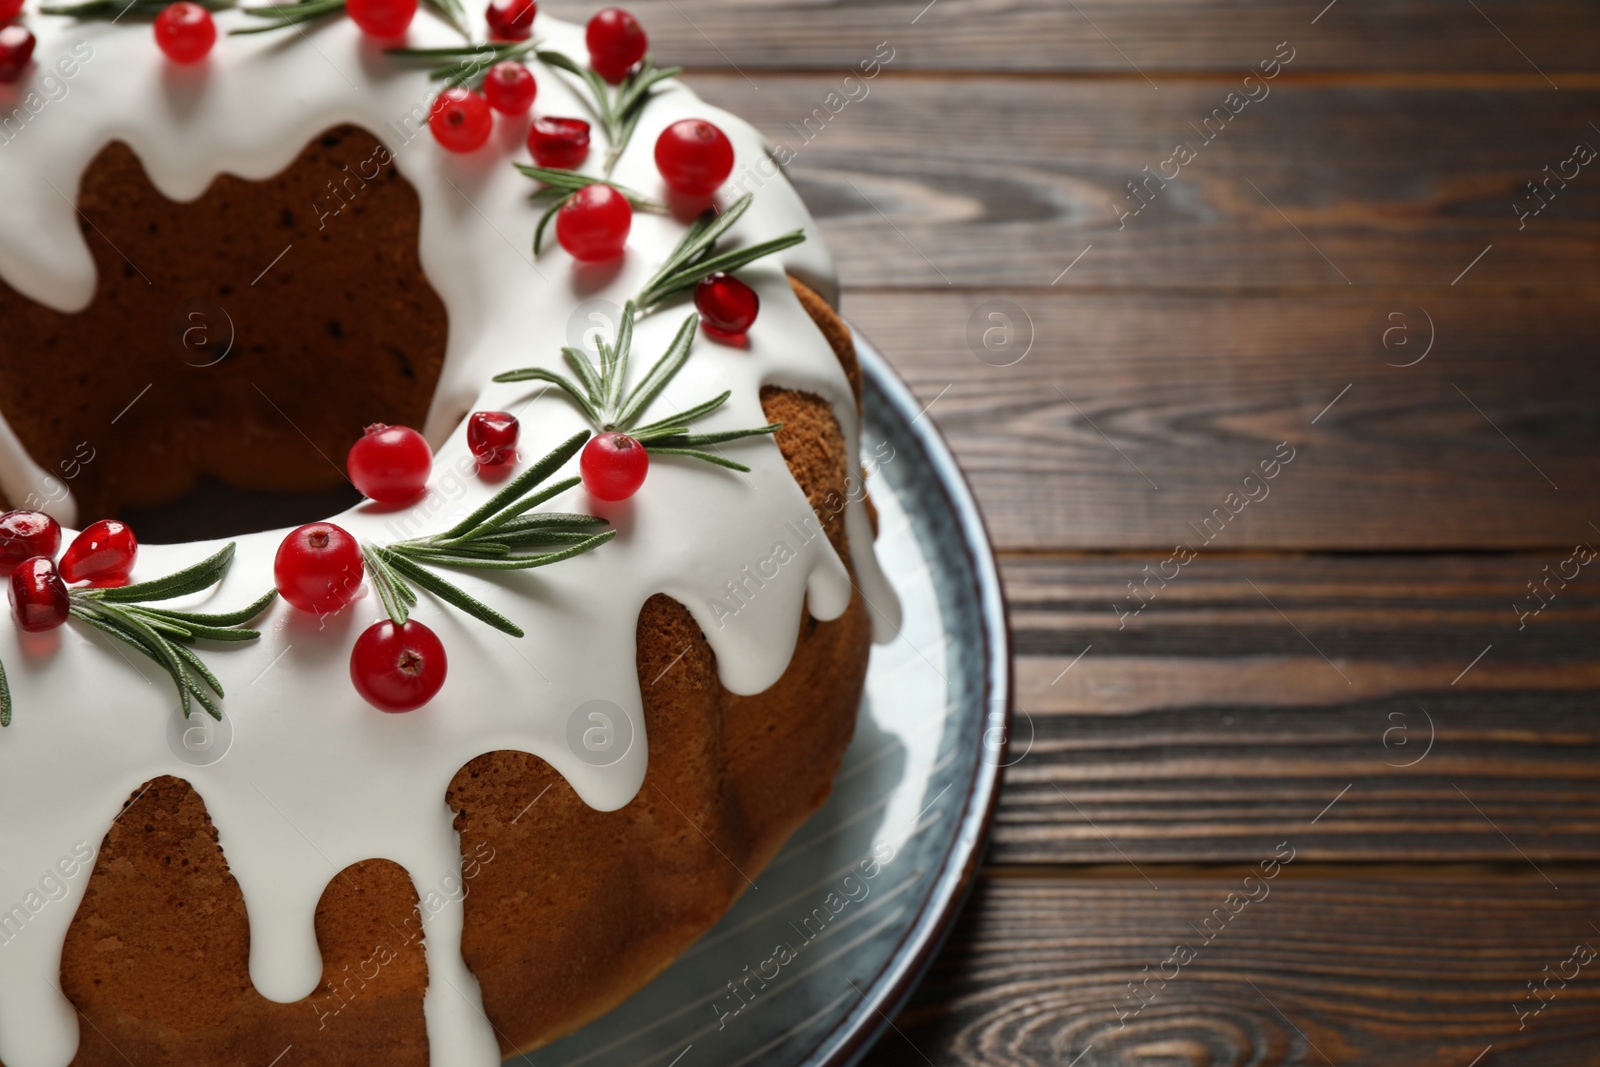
(100, 556)
(319, 568)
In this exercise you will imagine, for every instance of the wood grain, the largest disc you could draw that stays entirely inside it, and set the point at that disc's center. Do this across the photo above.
(1368, 707)
(935, 182)
(1117, 36)
(1321, 970)
(1133, 416)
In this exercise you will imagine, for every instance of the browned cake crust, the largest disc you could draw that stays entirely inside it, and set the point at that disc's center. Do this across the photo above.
(568, 910)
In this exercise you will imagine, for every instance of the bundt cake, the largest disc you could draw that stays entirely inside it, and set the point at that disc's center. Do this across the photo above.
(454, 766)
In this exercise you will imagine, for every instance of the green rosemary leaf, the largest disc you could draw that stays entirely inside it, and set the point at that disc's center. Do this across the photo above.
(552, 462)
(635, 91)
(228, 618)
(685, 278)
(387, 583)
(188, 630)
(521, 563)
(680, 422)
(514, 513)
(192, 661)
(694, 440)
(539, 539)
(207, 572)
(600, 97)
(579, 362)
(454, 13)
(544, 222)
(539, 374)
(547, 520)
(709, 457)
(704, 233)
(284, 15)
(117, 9)
(156, 622)
(453, 595)
(662, 373)
(5, 698)
(617, 379)
(476, 547)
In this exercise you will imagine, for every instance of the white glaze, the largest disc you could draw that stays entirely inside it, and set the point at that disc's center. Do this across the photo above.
(315, 779)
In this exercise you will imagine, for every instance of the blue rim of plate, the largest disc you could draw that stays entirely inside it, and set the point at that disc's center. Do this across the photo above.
(893, 411)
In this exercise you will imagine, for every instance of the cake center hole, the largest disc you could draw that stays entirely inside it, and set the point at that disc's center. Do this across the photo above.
(235, 347)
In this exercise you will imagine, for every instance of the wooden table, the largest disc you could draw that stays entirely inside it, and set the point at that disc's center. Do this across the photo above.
(1382, 662)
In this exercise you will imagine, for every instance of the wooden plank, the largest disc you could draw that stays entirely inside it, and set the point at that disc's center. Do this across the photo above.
(934, 181)
(1321, 969)
(1134, 416)
(1371, 708)
(1116, 36)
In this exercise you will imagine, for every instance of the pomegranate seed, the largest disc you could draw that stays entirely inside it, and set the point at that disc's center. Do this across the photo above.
(16, 48)
(38, 595)
(104, 552)
(492, 436)
(390, 464)
(318, 568)
(10, 9)
(398, 668)
(24, 534)
(562, 143)
(511, 20)
(613, 466)
(185, 32)
(382, 18)
(727, 305)
(616, 43)
(510, 88)
(694, 157)
(593, 225)
(460, 120)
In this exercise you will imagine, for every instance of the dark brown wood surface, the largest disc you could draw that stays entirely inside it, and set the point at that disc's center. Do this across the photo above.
(1388, 662)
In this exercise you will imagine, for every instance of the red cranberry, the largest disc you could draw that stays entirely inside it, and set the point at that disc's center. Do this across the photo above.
(318, 568)
(511, 20)
(185, 32)
(694, 157)
(398, 668)
(727, 305)
(24, 534)
(10, 9)
(382, 18)
(460, 120)
(390, 464)
(616, 43)
(561, 143)
(510, 88)
(16, 48)
(38, 595)
(593, 225)
(104, 552)
(492, 436)
(613, 466)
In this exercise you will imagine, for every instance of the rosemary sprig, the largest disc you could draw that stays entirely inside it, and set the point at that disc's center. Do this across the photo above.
(619, 108)
(164, 634)
(465, 65)
(281, 16)
(117, 9)
(605, 400)
(501, 535)
(563, 185)
(696, 255)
